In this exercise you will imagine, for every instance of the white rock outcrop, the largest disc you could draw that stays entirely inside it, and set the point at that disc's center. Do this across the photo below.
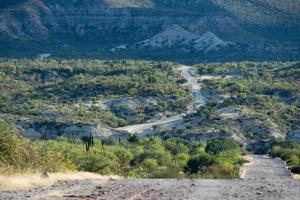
(177, 37)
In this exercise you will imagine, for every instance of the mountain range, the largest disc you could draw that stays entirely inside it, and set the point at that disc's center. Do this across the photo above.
(180, 30)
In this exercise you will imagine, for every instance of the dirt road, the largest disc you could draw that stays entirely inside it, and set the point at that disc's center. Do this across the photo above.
(265, 179)
(199, 100)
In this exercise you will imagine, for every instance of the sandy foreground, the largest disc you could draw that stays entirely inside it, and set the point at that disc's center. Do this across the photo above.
(263, 178)
(19, 182)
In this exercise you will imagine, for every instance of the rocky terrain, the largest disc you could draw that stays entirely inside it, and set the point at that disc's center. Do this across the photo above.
(264, 178)
(91, 28)
(176, 37)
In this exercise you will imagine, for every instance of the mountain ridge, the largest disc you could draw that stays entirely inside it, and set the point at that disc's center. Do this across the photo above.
(91, 28)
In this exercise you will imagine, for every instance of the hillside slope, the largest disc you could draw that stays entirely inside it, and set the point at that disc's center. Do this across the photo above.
(90, 28)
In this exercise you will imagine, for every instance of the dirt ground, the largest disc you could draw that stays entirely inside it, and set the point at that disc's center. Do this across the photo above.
(264, 179)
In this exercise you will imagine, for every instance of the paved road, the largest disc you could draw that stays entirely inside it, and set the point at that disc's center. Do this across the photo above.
(265, 179)
(199, 100)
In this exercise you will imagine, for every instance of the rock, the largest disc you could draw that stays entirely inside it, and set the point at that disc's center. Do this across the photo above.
(210, 42)
(173, 35)
(34, 130)
(176, 36)
(46, 174)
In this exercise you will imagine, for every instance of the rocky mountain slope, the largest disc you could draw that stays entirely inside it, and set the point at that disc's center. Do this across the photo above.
(90, 28)
(177, 37)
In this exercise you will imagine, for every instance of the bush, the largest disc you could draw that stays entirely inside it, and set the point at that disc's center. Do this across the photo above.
(149, 165)
(295, 170)
(124, 157)
(98, 163)
(199, 162)
(134, 138)
(151, 157)
(218, 145)
(9, 145)
(288, 151)
(16, 153)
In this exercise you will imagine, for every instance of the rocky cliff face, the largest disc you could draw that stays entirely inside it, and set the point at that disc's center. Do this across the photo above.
(89, 26)
(44, 130)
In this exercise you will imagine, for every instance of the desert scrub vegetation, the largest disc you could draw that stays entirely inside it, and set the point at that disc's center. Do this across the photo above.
(133, 157)
(288, 151)
(266, 94)
(78, 90)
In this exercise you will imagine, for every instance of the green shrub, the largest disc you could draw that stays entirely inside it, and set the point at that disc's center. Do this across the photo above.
(199, 162)
(151, 157)
(9, 145)
(98, 163)
(218, 145)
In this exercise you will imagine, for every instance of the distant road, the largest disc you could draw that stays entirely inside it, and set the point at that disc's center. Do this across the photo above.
(139, 128)
(199, 100)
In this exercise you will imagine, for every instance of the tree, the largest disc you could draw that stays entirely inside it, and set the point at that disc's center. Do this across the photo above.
(134, 138)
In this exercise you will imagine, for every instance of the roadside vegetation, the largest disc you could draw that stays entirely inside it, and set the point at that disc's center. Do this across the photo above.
(148, 158)
(257, 102)
(288, 151)
(252, 103)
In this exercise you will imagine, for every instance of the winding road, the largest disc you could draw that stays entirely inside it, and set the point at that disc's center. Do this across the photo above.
(263, 178)
(199, 100)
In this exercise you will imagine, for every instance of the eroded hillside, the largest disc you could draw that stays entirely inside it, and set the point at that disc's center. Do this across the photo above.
(91, 28)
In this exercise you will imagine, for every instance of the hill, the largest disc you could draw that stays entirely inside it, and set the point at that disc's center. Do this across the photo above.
(264, 29)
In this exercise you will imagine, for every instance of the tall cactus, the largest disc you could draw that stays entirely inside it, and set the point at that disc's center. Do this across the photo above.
(89, 141)
(44, 135)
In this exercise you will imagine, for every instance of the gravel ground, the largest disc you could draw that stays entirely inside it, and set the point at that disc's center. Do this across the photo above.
(264, 178)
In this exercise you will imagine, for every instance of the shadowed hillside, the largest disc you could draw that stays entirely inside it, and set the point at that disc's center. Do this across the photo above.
(261, 29)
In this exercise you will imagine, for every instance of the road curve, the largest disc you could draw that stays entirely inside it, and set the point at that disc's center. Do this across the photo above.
(192, 81)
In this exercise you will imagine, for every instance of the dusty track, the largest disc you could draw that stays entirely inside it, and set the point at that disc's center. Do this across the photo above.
(265, 179)
(192, 82)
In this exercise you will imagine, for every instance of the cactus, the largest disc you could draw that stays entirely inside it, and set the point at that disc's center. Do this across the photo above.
(89, 141)
(44, 135)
